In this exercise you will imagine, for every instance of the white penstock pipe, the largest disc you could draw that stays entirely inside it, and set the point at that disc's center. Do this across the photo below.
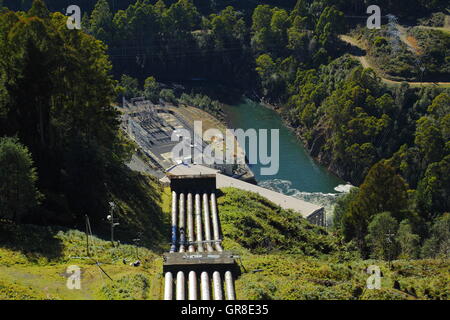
(181, 224)
(216, 224)
(217, 284)
(173, 247)
(198, 222)
(204, 286)
(190, 222)
(192, 286)
(229, 285)
(168, 286)
(207, 221)
(181, 287)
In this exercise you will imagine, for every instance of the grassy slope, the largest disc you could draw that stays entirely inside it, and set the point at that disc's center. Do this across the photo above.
(311, 263)
(284, 258)
(140, 214)
(33, 259)
(35, 266)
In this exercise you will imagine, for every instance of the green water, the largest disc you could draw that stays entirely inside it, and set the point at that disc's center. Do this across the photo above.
(299, 175)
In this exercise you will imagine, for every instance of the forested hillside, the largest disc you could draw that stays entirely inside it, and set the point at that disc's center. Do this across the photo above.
(63, 155)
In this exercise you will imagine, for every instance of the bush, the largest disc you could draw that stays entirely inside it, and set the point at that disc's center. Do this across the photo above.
(129, 287)
(380, 237)
(380, 42)
(168, 96)
(437, 19)
(408, 241)
(438, 245)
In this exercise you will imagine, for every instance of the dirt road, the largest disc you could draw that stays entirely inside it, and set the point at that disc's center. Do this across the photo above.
(367, 64)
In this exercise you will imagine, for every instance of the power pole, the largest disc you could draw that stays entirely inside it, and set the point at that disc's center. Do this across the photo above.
(389, 240)
(110, 218)
(88, 228)
(136, 243)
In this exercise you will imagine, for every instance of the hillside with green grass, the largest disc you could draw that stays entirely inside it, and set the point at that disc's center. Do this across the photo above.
(34, 262)
(285, 257)
(34, 258)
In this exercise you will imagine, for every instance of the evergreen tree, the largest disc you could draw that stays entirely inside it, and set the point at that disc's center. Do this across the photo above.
(101, 21)
(342, 207)
(438, 245)
(130, 86)
(38, 9)
(168, 96)
(300, 9)
(407, 240)
(433, 191)
(381, 236)
(382, 191)
(429, 140)
(262, 37)
(330, 24)
(18, 177)
(55, 109)
(151, 89)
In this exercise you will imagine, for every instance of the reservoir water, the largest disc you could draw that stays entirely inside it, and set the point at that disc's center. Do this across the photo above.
(299, 174)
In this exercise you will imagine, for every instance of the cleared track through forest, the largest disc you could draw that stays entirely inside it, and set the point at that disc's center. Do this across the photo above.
(363, 59)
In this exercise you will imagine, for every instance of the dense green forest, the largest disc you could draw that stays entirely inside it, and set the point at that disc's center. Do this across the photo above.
(60, 133)
(65, 155)
(180, 40)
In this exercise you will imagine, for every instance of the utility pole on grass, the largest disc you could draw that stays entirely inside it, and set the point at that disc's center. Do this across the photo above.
(110, 218)
(136, 243)
(88, 231)
(390, 241)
